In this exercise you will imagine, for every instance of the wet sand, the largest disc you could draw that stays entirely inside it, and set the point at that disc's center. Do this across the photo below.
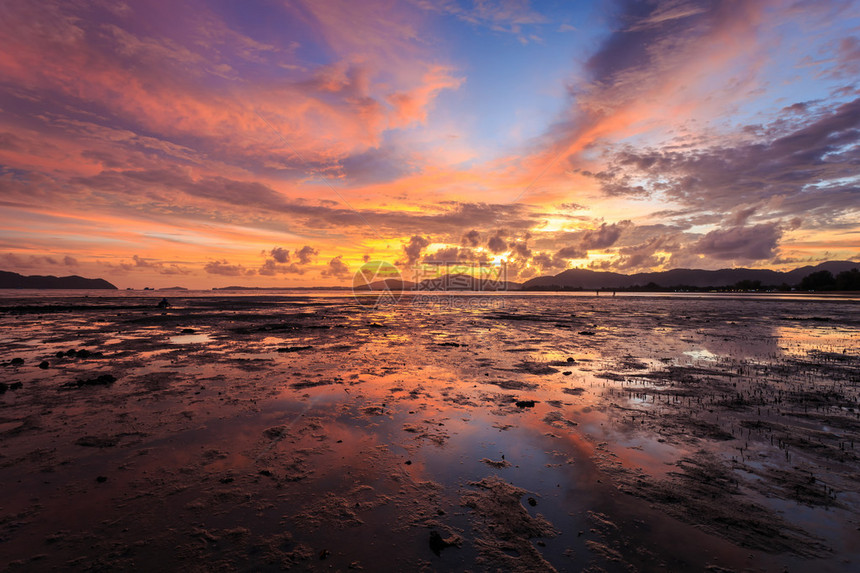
(517, 433)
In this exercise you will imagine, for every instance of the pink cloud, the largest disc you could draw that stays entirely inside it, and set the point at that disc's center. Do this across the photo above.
(174, 86)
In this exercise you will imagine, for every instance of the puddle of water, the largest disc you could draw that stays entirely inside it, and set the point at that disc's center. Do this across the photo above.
(190, 339)
(703, 354)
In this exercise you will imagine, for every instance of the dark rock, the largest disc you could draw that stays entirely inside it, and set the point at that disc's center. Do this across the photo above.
(71, 353)
(101, 479)
(60, 354)
(17, 361)
(525, 403)
(96, 442)
(188, 331)
(16, 385)
(532, 501)
(438, 543)
(587, 332)
(84, 353)
(44, 365)
(163, 303)
(324, 553)
(3, 387)
(226, 480)
(103, 380)
(570, 359)
(275, 432)
(294, 348)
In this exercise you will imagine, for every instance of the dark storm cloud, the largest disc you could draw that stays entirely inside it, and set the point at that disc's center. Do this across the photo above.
(626, 48)
(471, 239)
(336, 268)
(520, 250)
(280, 254)
(571, 253)
(164, 268)
(223, 267)
(604, 236)
(280, 261)
(143, 263)
(306, 254)
(578, 243)
(649, 254)
(158, 186)
(13, 261)
(812, 167)
(754, 243)
(446, 255)
(455, 255)
(497, 244)
(271, 268)
(413, 249)
(547, 262)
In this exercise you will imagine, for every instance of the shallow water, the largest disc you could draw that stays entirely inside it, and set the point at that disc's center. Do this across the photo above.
(307, 430)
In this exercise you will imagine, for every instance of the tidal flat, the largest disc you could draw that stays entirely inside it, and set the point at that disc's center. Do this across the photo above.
(513, 432)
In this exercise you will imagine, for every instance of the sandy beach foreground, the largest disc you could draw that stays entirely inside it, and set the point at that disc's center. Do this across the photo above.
(516, 433)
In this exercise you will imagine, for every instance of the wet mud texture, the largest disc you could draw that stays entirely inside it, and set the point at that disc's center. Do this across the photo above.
(526, 433)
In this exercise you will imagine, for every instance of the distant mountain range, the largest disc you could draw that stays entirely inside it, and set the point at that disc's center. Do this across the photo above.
(14, 280)
(570, 279)
(593, 280)
(589, 280)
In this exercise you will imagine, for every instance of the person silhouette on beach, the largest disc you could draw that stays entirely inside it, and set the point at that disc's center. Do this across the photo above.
(164, 303)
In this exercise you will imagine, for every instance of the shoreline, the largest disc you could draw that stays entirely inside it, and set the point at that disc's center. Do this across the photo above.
(555, 433)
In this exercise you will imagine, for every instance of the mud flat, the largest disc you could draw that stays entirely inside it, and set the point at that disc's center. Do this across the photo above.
(522, 433)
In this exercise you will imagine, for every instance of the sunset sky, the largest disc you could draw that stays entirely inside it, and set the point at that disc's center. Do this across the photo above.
(283, 143)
